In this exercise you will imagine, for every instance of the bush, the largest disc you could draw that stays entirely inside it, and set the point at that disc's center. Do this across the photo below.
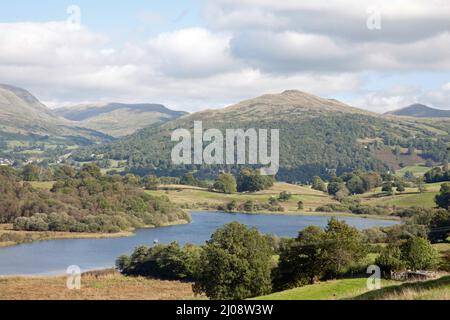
(226, 183)
(235, 264)
(171, 262)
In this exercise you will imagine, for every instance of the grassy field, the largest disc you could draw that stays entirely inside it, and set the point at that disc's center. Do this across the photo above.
(410, 197)
(438, 289)
(202, 199)
(418, 170)
(105, 285)
(329, 290)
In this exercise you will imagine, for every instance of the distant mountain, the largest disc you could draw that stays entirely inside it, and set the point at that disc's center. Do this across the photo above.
(317, 136)
(118, 119)
(24, 120)
(421, 111)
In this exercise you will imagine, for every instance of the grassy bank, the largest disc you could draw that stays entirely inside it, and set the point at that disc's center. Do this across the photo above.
(104, 285)
(329, 290)
(438, 289)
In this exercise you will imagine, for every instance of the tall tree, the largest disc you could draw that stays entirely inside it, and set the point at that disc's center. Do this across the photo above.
(235, 264)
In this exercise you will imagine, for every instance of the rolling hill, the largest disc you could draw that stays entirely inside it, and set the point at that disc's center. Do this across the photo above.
(25, 121)
(118, 119)
(420, 111)
(316, 136)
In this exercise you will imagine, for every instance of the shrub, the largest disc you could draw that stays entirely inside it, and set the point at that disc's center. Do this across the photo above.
(235, 264)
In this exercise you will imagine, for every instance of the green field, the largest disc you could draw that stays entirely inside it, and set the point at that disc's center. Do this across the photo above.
(425, 200)
(198, 198)
(418, 170)
(438, 289)
(329, 290)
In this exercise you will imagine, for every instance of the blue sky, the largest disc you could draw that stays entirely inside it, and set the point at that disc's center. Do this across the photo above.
(196, 54)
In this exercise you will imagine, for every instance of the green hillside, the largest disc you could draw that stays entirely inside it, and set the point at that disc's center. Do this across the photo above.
(30, 131)
(316, 135)
(329, 290)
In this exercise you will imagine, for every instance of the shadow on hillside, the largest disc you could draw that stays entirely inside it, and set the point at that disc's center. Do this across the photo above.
(416, 286)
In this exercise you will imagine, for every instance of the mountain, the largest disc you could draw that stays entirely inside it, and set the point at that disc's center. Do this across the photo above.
(421, 111)
(317, 136)
(118, 119)
(25, 121)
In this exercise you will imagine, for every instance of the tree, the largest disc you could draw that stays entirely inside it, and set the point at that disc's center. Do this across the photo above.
(318, 184)
(235, 264)
(188, 179)
(419, 254)
(401, 187)
(335, 187)
(301, 260)
(315, 254)
(443, 198)
(284, 196)
(356, 185)
(388, 188)
(226, 183)
(30, 173)
(390, 260)
(343, 245)
(300, 205)
(151, 183)
(252, 181)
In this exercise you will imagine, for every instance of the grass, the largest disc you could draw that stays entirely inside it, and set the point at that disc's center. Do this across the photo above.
(418, 170)
(425, 200)
(438, 289)
(329, 290)
(104, 285)
(202, 199)
(410, 197)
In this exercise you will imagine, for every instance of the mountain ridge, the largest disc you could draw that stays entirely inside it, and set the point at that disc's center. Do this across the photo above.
(420, 111)
(316, 135)
(118, 119)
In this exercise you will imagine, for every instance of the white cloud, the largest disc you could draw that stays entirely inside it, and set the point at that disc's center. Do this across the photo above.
(249, 47)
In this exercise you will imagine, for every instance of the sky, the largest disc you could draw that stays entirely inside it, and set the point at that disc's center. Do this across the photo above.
(192, 55)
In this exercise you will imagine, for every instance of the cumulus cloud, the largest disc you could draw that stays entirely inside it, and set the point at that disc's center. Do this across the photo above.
(246, 48)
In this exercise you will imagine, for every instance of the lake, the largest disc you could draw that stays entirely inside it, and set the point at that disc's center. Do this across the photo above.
(54, 256)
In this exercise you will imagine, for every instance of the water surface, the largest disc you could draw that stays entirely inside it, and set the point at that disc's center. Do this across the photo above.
(54, 256)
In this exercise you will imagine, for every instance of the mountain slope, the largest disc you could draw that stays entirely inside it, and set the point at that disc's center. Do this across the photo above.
(421, 111)
(24, 121)
(316, 136)
(118, 119)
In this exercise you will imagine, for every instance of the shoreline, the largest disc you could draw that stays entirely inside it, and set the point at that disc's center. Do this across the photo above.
(28, 237)
(301, 214)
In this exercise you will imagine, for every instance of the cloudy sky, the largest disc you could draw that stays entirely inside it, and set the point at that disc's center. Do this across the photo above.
(191, 55)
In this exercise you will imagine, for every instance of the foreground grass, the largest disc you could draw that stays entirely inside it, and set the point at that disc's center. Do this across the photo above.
(105, 285)
(428, 290)
(329, 290)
